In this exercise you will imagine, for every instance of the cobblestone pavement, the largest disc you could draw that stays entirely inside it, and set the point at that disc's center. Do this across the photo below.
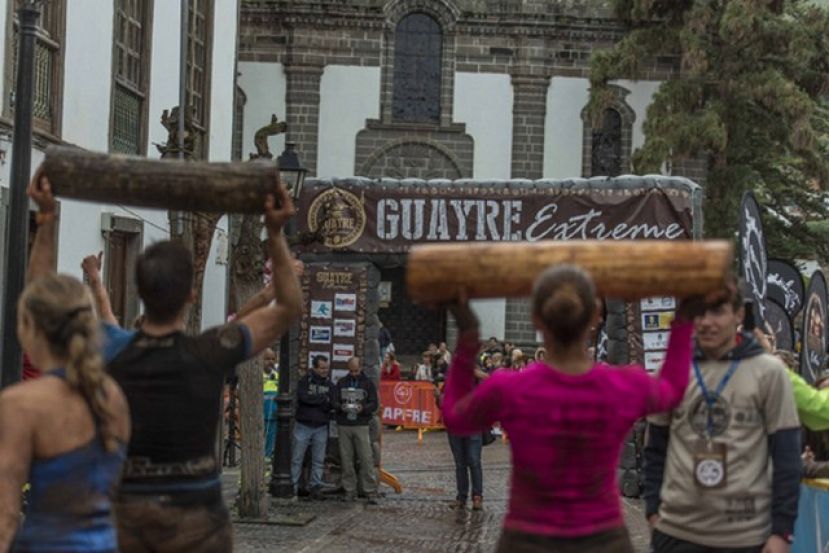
(418, 520)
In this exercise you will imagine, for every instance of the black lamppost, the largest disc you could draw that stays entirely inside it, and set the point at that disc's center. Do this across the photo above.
(17, 230)
(292, 174)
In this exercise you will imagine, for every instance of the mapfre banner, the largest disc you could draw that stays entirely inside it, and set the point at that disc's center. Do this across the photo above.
(409, 404)
(362, 215)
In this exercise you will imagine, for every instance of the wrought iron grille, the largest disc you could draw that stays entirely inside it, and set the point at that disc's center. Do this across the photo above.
(197, 59)
(417, 69)
(606, 154)
(126, 123)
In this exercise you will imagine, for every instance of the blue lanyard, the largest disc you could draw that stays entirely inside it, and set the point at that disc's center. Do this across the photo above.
(711, 399)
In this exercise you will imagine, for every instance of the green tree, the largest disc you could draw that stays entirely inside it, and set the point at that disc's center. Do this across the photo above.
(749, 96)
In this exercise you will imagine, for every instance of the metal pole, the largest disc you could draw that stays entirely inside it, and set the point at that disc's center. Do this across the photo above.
(182, 79)
(281, 484)
(17, 229)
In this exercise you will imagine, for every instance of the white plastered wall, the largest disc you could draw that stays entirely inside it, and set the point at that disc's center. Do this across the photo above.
(483, 101)
(264, 86)
(348, 96)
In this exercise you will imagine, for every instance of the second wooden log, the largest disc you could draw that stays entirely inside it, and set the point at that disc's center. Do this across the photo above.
(632, 269)
(164, 184)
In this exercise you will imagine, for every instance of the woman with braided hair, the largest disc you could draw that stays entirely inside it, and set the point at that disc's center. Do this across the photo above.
(66, 433)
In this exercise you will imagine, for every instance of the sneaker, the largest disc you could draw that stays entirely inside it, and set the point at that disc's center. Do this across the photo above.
(316, 494)
(457, 505)
(477, 503)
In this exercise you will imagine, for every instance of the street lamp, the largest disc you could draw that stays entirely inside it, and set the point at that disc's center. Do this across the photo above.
(18, 224)
(292, 174)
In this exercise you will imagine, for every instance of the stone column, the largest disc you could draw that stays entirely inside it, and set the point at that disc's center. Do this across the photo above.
(302, 101)
(529, 111)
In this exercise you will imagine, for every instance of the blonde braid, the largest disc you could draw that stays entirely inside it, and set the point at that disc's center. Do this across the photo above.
(60, 307)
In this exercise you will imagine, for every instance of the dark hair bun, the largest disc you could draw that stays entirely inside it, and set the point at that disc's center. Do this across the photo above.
(563, 298)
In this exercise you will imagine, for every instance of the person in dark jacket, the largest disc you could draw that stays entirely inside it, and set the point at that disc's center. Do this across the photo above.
(313, 411)
(355, 402)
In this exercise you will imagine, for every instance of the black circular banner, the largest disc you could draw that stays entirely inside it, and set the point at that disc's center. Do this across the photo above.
(785, 286)
(778, 321)
(753, 257)
(813, 333)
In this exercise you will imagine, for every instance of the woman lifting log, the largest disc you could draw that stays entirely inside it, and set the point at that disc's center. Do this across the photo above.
(566, 417)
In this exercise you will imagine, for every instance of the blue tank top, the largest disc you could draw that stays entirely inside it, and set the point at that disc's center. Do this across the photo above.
(69, 506)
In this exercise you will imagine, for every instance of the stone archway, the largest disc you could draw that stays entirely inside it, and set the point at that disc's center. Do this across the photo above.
(413, 159)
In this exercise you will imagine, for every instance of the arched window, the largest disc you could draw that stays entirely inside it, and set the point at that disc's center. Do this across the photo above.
(417, 69)
(606, 153)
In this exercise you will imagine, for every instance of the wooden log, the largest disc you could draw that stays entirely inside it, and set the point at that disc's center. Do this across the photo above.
(167, 184)
(631, 269)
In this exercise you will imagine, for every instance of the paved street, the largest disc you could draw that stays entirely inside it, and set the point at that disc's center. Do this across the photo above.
(418, 520)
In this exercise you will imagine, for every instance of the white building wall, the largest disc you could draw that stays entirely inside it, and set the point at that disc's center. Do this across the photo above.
(563, 128)
(86, 122)
(348, 96)
(264, 86)
(483, 101)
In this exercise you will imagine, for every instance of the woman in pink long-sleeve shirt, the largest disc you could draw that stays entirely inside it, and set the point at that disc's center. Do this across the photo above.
(567, 419)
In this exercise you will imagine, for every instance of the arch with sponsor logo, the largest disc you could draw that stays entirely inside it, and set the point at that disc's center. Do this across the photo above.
(376, 221)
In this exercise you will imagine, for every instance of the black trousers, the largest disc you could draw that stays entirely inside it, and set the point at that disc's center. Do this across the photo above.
(611, 541)
(663, 543)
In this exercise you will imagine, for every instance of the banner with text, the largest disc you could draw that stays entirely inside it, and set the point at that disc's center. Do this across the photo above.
(359, 215)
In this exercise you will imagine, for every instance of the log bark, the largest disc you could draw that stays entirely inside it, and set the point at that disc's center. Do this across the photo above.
(625, 269)
(167, 184)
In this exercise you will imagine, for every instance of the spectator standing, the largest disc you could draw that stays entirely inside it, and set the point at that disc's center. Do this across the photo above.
(384, 341)
(390, 370)
(313, 411)
(270, 388)
(424, 369)
(722, 471)
(355, 402)
(540, 354)
(445, 354)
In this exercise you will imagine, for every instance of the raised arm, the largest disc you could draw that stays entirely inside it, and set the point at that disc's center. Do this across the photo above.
(466, 409)
(268, 323)
(812, 404)
(16, 440)
(42, 259)
(667, 390)
(91, 266)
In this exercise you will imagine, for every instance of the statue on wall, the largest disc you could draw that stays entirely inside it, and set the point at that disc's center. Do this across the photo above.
(169, 120)
(260, 139)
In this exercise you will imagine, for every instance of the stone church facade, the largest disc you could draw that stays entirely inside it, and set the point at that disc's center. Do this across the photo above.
(451, 89)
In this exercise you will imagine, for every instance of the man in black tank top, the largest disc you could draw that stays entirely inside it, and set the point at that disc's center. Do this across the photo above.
(170, 499)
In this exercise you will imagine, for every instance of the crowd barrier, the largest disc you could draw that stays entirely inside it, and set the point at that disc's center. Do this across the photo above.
(811, 534)
(410, 405)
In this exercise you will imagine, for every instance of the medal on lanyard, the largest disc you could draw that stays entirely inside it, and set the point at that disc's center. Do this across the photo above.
(710, 456)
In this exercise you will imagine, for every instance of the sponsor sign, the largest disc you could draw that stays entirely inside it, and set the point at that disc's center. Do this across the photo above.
(321, 309)
(345, 302)
(343, 352)
(345, 328)
(655, 341)
(370, 216)
(320, 335)
(657, 320)
(654, 360)
(657, 304)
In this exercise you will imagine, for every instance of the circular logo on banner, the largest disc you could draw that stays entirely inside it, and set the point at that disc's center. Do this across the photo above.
(710, 473)
(338, 216)
(402, 393)
(778, 321)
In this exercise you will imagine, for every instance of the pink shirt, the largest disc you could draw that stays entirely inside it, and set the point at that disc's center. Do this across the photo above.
(566, 431)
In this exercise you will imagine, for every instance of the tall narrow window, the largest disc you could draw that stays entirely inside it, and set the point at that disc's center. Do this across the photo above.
(417, 69)
(130, 73)
(48, 62)
(606, 153)
(198, 61)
